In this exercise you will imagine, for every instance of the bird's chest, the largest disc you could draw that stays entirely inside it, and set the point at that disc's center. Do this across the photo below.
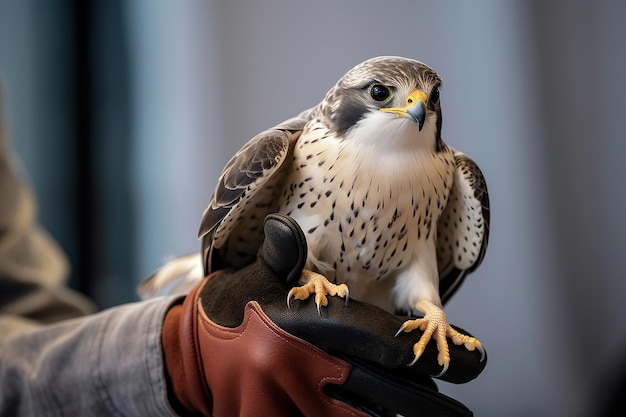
(365, 216)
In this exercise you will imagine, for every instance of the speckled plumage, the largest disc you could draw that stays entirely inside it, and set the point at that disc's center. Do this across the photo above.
(369, 203)
(386, 206)
(366, 216)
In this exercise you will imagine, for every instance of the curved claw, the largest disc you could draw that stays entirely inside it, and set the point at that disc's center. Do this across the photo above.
(445, 365)
(401, 330)
(481, 349)
(293, 294)
(320, 286)
(443, 371)
(414, 360)
(289, 296)
(435, 326)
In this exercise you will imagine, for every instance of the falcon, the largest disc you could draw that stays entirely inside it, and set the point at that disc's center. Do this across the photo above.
(388, 209)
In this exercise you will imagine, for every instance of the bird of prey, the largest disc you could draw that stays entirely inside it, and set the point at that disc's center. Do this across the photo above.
(388, 209)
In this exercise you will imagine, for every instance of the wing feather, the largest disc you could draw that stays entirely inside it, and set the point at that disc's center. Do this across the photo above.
(231, 227)
(463, 228)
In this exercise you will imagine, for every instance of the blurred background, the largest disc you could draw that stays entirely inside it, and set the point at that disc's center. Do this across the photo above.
(124, 113)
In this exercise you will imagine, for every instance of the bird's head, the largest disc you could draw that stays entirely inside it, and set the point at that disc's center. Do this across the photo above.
(386, 98)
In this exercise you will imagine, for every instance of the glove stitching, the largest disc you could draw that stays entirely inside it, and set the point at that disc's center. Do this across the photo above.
(227, 334)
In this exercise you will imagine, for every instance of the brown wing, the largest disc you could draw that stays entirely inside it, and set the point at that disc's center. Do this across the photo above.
(463, 228)
(248, 189)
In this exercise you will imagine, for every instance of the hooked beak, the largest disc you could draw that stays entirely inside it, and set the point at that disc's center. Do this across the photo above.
(415, 108)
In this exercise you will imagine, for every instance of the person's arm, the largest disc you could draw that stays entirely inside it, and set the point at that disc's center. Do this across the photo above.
(107, 364)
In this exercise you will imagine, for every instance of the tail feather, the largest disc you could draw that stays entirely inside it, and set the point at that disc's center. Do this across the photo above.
(177, 276)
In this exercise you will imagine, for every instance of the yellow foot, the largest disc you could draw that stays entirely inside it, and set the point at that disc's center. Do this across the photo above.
(434, 324)
(318, 284)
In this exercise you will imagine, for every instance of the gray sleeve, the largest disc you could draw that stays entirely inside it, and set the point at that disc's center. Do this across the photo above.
(105, 364)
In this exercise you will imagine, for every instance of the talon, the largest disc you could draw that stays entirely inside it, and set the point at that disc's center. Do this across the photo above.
(414, 360)
(443, 371)
(346, 293)
(320, 299)
(300, 293)
(435, 326)
(400, 330)
(318, 284)
(481, 349)
(289, 295)
(470, 343)
(410, 325)
(418, 349)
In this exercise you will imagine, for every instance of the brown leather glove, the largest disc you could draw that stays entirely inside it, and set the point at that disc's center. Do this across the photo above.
(233, 348)
(253, 369)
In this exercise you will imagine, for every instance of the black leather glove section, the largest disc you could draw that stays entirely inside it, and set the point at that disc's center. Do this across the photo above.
(388, 393)
(357, 332)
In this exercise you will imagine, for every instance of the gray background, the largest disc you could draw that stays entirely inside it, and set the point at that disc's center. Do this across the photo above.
(533, 91)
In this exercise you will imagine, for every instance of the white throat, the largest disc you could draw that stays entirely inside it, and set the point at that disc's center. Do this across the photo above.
(389, 134)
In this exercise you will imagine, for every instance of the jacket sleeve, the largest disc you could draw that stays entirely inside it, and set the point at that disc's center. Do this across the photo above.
(105, 364)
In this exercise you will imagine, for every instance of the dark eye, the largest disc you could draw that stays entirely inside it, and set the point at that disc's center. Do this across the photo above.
(379, 92)
(434, 96)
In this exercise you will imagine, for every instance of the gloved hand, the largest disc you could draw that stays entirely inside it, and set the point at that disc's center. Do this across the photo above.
(234, 348)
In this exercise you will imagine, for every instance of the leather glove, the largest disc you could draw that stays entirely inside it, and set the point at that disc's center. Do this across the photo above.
(234, 348)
